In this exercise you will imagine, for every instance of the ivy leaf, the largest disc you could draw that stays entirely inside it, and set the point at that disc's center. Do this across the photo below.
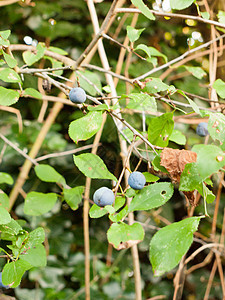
(170, 243)
(121, 235)
(143, 8)
(134, 34)
(152, 196)
(160, 128)
(37, 204)
(85, 127)
(92, 166)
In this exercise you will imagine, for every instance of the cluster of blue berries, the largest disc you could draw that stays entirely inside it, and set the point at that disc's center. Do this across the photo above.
(77, 95)
(104, 196)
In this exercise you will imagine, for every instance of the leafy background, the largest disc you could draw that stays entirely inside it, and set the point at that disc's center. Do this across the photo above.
(66, 24)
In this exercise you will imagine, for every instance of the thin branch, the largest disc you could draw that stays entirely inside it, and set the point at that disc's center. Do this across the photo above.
(18, 149)
(171, 15)
(64, 153)
(178, 58)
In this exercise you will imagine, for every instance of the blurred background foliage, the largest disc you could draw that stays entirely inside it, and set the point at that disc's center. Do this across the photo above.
(66, 24)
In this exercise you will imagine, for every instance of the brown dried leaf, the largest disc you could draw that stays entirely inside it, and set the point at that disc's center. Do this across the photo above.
(174, 160)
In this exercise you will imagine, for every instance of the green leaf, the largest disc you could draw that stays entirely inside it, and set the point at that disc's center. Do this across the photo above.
(97, 211)
(155, 85)
(5, 217)
(11, 62)
(4, 38)
(196, 71)
(119, 216)
(35, 256)
(4, 200)
(134, 34)
(30, 58)
(152, 196)
(221, 16)
(191, 102)
(151, 51)
(205, 15)
(211, 154)
(37, 236)
(181, 4)
(143, 8)
(85, 127)
(8, 97)
(150, 177)
(48, 174)
(206, 193)
(37, 204)
(178, 137)
(92, 166)
(142, 102)
(5, 34)
(127, 234)
(12, 272)
(12, 228)
(160, 128)
(216, 126)
(86, 78)
(32, 92)
(100, 107)
(57, 50)
(5, 178)
(170, 243)
(9, 75)
(219, 86)
(73, 197)
(190, 178)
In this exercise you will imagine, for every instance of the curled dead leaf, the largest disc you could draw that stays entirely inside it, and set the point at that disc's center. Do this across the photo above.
(174, 160)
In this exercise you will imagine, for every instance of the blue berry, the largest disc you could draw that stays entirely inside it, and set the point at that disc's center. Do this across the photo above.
(104, 196)
(77, 95)
(202, 129)
(1, 284)
(136, 180)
